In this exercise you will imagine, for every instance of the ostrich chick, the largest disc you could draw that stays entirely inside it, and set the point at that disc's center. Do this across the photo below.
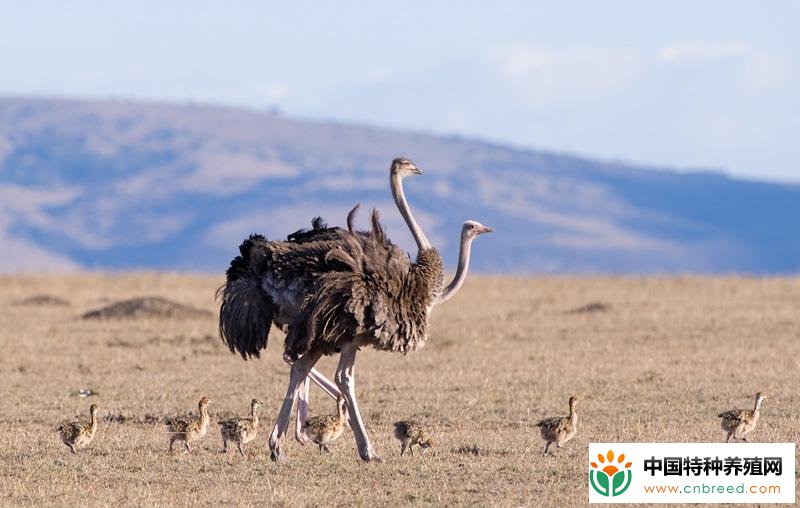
(411, 433)
(189, 427)
(559, 429)
(740, 422)
(78, 434)
(240, 430)
(326, 429)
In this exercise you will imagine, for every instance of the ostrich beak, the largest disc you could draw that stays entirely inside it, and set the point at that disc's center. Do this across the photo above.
(416, 171)
(487, 229)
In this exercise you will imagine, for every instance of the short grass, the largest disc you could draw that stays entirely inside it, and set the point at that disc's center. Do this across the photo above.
(655, 362)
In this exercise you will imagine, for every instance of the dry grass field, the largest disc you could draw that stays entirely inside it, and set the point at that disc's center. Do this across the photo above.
(655, 362)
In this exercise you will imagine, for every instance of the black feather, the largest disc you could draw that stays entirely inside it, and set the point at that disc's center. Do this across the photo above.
(246, 311)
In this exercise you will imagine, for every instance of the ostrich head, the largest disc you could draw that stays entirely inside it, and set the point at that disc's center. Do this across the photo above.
(473, 228)
(760, 397)
(204, 403)
(573, 401)
(403, 167)
(255, 403)
(93, 409)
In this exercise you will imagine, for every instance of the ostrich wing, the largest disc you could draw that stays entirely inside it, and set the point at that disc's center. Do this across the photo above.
(383, 298)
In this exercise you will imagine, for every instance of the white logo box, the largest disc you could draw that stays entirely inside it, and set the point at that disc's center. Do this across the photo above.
(755, 463)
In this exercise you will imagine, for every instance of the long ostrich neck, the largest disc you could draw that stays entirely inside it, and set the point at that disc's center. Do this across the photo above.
(461, 272)
(396, 184)
(93, 419)
(253, 415)
(572, 414)
(757, 406)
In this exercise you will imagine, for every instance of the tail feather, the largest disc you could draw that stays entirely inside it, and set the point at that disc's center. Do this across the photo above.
(246, 312)
(377, 228)
(351, 217)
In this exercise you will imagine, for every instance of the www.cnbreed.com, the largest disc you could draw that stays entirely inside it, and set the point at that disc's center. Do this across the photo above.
(712, 489)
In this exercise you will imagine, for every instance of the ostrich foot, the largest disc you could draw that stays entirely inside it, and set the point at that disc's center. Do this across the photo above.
(301, 437)
(369, 456)
(276, 454)
(276, 450)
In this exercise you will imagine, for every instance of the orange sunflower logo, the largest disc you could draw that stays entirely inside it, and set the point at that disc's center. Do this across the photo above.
(610, 479)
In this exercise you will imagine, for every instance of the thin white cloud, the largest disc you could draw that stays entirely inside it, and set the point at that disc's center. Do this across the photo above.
(767, 71)
(545, 75)
(757, 69)
(695, 51)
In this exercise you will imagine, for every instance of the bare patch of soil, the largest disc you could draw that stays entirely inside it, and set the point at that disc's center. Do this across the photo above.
(147, 307)
(591, 308)
(42, 301)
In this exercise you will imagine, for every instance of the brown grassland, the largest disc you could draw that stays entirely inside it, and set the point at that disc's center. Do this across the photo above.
(657, 362)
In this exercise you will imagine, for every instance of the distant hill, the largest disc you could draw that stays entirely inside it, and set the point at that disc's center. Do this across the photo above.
(126, 185)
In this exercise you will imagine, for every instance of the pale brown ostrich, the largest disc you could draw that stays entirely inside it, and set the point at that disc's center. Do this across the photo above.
(559, 429)
(740, 422)
(189, 428)
(325, 429)
(333, 291)
(240, 431)
(78, 434)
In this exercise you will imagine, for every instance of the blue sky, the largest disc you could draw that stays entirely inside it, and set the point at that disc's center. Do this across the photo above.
(686, 84)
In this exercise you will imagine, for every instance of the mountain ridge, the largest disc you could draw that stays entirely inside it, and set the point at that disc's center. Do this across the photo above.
(118, 184)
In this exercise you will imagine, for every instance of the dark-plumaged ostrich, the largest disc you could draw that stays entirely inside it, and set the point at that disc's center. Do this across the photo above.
(335, 291)
(469, 231)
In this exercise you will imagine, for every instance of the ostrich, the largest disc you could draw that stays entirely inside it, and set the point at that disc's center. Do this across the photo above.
(559, 429)
(326, 429)
(740, 422)
(469, 231)
(78, 434)
(410, 433)
(240, 430)
(189, 427)
(307, 286)
(377, 298)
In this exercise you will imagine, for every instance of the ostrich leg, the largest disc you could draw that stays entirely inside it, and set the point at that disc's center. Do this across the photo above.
(302, 412)
(298, 374)
(345, 379)
(323, 382)
(302, 405)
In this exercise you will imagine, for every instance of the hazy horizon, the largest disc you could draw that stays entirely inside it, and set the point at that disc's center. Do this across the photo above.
(466, 137)
(680, 86)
